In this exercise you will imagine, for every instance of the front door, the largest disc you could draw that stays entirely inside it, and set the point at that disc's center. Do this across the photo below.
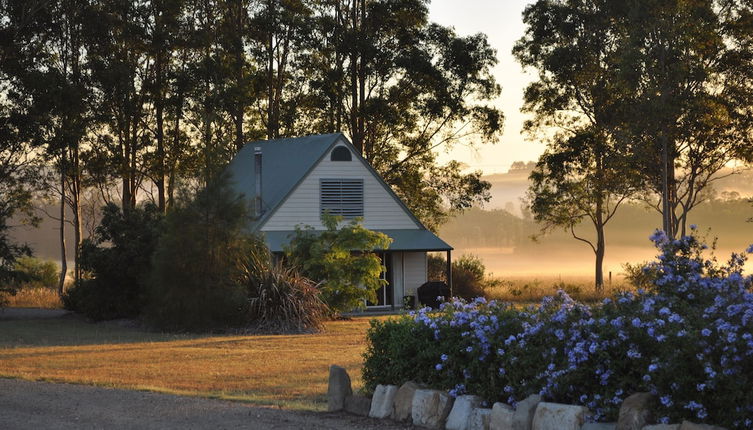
(384, 294)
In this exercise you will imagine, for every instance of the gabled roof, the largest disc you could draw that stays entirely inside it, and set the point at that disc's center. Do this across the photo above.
(287, 162)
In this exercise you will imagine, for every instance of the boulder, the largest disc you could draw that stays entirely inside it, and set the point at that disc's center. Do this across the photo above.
(599, 426)
(522, 419)
(338, 389)
(382, 403)
(480, 419)
(687, 425)
(430, 408)
(403, 403)
(555, 416)
(635, 412)
(358, 405)
(462, 408)
(501, 418)
(662, 427)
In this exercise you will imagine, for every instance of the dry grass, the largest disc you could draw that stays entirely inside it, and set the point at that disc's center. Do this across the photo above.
(38, 297)
(284, 370)
(532, 290)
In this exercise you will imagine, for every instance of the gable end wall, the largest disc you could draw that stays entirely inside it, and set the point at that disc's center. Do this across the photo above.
(381, 211)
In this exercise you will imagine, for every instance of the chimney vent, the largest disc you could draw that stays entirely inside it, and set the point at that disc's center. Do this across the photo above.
(257, 172)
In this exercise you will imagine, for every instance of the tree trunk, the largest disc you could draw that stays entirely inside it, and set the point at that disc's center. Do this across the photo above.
(160, 134)
(239, 105)
(600, 248)
(600, 245)
(354, 107)
(63, 256)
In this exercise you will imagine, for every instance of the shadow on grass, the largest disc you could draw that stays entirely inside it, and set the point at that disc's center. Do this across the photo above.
(72, 330)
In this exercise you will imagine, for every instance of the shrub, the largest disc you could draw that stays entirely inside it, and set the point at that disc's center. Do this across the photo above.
(117, 260)
(279, 298)
(468, 275)
(196, 282)
(341, 260)
(688, 339)
(36, 273)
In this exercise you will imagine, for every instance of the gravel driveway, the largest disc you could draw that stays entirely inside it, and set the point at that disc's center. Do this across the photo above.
(41, 405)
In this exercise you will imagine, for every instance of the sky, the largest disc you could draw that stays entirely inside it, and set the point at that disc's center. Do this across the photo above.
(501, 21)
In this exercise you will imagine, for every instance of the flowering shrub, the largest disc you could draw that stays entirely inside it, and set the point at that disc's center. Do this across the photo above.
(688, 339)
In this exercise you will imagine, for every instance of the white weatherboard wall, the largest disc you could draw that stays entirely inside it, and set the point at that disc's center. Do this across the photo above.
(381, 210)
(397, 278)
(415, 271)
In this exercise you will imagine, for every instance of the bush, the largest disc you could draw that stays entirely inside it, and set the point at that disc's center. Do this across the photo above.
(468, 275)
(36, 273)
(279, 298)
(117, 260)
(688, 339)
(197, 281)
(346, 279)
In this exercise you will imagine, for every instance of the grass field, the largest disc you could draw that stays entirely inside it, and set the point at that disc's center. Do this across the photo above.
(285, 370)
(35, 298)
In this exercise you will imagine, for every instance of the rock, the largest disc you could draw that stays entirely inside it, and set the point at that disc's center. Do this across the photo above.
(555, 416)
(339, 388)
(635, 412)
(460, 416)
(382, 403)
(403, 403)
(480, 419)
(687, 425)
(430, 408)
(358, 405)
(599, 426)
(522, 419)
(501, 418)
(662, 427)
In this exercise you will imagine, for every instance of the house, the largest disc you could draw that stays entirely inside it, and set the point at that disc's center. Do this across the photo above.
(293, 181)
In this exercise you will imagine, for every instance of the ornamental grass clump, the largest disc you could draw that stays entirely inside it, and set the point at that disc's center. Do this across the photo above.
(687, 338)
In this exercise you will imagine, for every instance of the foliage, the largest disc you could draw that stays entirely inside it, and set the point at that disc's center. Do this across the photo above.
(197, 282)
(687, 339)
(584, 174)
(341, 260)
(279, 298)
(469, 278)
(118, 260)
(36, 273)
(665, 85)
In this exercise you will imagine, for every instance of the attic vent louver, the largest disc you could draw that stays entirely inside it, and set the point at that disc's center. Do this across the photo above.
(343, 197)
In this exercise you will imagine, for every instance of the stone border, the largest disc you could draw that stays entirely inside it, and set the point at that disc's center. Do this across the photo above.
(436, 409)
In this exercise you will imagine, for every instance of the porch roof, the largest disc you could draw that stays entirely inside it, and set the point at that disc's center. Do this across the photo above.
(402, 240)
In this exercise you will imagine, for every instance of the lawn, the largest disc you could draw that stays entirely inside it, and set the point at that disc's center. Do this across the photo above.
(285, 370)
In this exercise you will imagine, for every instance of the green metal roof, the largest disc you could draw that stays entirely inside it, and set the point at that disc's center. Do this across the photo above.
(402, 240)
(286, 163)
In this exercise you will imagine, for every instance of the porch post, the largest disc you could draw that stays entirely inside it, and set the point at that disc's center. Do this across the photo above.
(449, 270)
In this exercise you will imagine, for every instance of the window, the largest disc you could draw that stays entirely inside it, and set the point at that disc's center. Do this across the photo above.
(342, 197)
(340, 153)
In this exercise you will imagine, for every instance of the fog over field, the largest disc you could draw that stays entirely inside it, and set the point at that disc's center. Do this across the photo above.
(500, 233)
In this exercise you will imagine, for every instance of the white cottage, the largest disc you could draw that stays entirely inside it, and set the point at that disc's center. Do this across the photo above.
(293, 181)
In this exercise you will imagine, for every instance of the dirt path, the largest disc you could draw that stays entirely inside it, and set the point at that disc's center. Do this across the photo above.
(40, 405)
